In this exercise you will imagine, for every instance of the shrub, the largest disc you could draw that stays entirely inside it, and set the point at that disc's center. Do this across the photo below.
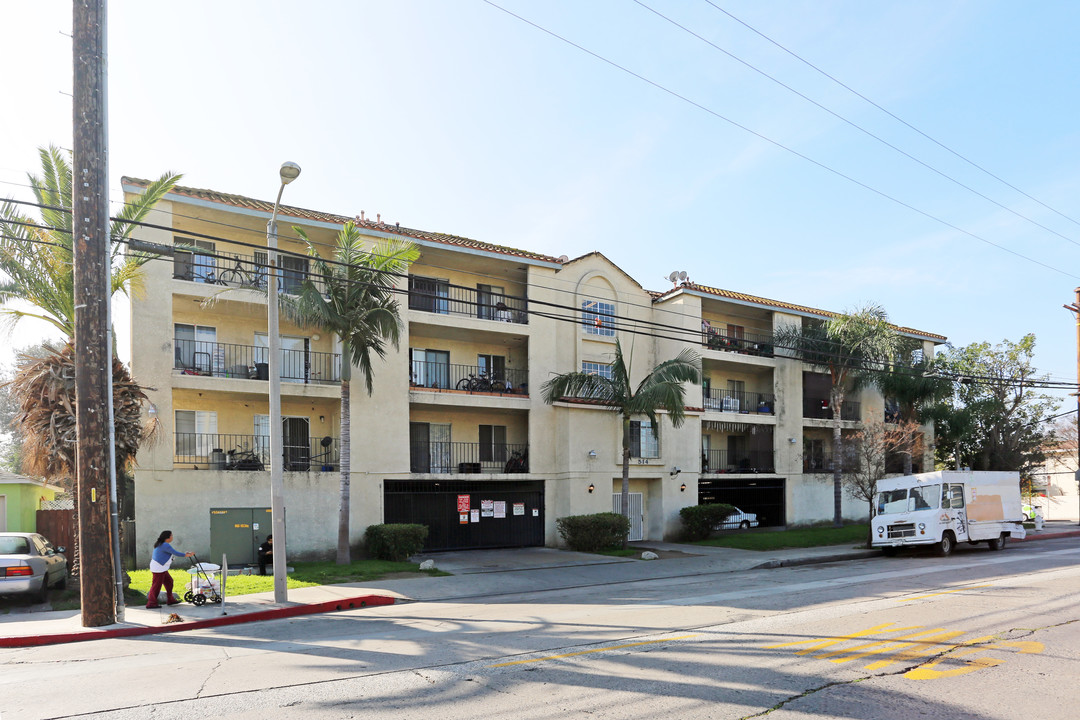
(394, 542)
(589, 533)
(700, 520)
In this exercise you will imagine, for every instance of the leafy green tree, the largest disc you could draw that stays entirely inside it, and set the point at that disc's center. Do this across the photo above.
(850, 348)
(994, 418)
(660, 390)
(352, 297)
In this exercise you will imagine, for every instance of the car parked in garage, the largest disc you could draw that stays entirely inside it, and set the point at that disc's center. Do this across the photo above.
(30, 565)
(739, 519)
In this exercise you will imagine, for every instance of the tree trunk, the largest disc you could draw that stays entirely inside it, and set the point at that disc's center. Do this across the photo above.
(838, 457)
(625, 492)
(343, 557)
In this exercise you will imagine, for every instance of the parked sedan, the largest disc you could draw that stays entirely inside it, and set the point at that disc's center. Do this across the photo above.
(29, 565)
(739, 519)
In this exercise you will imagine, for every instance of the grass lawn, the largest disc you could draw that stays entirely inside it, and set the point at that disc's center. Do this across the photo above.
(306, 574)
(794, 538)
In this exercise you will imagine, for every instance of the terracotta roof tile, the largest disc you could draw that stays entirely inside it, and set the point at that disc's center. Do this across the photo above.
(756, 300)
(242, 201)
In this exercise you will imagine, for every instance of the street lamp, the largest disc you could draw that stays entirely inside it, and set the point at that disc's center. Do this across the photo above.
(289, 172)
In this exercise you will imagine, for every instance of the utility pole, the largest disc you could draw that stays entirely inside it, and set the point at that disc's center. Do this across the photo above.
(93, 356)
(1075, 310)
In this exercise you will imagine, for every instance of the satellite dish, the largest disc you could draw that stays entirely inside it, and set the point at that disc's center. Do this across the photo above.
(683, 276)
(563, 258)
(673, 276)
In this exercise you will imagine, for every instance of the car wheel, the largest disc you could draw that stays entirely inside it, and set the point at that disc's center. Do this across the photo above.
(744, 525)
(43, 594)
(62, 585)
(998, 543)
(945, 547)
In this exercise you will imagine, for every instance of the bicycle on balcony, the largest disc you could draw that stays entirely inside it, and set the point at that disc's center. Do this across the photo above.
(240, 459)
(483, 383)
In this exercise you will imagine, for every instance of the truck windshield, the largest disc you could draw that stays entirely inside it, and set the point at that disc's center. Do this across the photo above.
(905, 500)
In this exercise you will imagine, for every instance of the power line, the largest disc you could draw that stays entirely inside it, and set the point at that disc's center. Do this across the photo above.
(890, 114)
(858, 127)
(780, 145)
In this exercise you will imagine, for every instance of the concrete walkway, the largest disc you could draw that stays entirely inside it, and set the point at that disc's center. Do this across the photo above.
(475, 574)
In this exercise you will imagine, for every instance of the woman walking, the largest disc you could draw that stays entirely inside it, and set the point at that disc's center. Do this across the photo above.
(160, 562)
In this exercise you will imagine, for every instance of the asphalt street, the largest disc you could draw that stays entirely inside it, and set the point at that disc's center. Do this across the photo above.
(975, 635)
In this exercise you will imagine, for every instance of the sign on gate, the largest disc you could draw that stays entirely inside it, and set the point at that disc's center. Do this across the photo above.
(463, 503)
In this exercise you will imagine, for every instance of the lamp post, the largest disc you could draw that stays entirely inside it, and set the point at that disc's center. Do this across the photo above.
(289, 172)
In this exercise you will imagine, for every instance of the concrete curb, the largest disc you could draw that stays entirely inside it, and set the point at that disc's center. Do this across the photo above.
(1048, 536)
(814, 560)
(136, 631)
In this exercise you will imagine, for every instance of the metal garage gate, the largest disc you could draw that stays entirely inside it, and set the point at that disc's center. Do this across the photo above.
(492, 515)
(762, 495)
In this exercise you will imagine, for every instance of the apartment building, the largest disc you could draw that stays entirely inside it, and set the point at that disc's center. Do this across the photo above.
(456, 434)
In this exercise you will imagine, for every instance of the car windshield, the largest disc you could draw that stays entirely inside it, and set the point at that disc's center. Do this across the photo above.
(905, 500)
(14, 546)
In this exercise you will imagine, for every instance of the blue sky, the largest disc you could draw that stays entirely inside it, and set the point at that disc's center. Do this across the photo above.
(453, 116)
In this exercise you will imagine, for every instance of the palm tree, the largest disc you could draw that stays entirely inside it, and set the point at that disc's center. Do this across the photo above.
(353, 297)
(36, 253)
(661, 389)
(849, 347)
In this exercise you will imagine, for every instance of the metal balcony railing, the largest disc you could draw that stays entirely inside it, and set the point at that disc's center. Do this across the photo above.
(442, 458)
(471, 378)
(242, 271)
(215, 451)
(740, 401)
(818, 407)
(746, 343)
(716, 462)
(823, 463)
(436, 297)
(200, 357)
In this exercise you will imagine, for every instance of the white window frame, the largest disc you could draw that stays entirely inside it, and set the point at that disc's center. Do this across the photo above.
(593, 313)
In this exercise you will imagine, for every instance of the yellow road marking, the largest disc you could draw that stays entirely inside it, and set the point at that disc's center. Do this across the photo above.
(828, 642)
(916, 649)
(943, 592)
(883, 646)
(595, 650)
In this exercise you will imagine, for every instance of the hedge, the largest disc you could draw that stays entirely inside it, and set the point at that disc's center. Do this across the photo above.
(394, 542)
(699, 521)
(589, 533)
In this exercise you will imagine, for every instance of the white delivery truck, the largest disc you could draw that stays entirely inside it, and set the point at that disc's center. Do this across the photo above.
(943, 508)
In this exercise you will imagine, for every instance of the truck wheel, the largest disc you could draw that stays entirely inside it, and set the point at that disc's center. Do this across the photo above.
(890, 551)
(998, 543)
(945, 547)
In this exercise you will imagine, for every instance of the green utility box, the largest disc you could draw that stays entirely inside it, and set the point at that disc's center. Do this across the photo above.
(237, 532)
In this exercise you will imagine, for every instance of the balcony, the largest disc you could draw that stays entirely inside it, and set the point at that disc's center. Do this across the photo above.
(214, 359)
(718, 462)
(468, 378)
(443, 458)
(818, 408)
(745, 343)
(823, 463)
(739, 401)
(252, 452)
(443, 299)
(229, 270)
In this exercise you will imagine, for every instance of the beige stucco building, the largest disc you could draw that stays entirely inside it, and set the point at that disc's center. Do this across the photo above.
(455, 433)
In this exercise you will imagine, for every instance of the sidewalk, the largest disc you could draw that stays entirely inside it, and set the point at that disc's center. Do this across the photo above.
(475, 574)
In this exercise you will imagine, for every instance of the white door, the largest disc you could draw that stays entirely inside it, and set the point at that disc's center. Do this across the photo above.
(293, 356)
(637, 514)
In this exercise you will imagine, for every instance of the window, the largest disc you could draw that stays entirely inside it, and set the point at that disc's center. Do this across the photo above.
(952, 496)
(598, 318)
(595, 368)
(487, 297)
(493, 443)
(430, 368)
(294, 270)
(429, 294)
(192, 265)
(493, 367)
(644, 441)
(814, 449)
(196, 433)
(196, 349)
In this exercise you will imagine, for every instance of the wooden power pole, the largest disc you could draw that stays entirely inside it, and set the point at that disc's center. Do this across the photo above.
(1075, 310)
(90, 227)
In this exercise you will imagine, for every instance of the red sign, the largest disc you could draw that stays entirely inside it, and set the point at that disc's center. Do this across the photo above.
(463, 503)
